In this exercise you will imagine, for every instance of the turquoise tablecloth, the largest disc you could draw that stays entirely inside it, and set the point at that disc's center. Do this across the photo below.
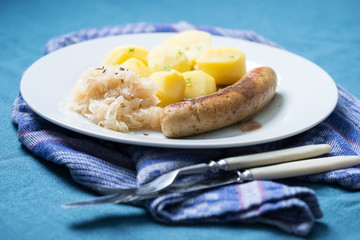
(325, 32)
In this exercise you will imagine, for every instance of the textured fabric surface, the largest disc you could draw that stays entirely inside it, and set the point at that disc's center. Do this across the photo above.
(325, 32)
(292, 209)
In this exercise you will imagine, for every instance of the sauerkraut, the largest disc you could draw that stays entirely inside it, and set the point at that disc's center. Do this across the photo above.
(116, 98)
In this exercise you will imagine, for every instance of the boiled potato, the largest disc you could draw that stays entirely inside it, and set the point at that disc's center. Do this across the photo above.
(226, 65)
(198, 83)
(167, 55)
(171, 86)
(121, 54)
(192, 43)
(137, 66)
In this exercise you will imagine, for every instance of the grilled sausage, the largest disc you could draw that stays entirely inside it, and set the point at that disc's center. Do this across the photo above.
(223, 108)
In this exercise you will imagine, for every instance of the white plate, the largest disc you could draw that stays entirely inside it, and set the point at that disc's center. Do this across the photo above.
(306, 94)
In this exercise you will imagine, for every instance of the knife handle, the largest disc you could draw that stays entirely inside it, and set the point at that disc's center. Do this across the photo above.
(273, 157)
(303, 167)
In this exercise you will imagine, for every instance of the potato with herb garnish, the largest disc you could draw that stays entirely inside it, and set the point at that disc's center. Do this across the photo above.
(137, 66)
(198, 83)
(226, 65)
(167, 55)
(192, 43)
(171, 86)
(121, 54)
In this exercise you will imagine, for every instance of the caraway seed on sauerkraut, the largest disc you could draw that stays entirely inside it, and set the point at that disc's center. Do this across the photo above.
(116, 98)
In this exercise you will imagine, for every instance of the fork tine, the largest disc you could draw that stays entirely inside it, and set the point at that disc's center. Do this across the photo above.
(98, 200)
(109, 191)
(128, 198)
(124, 199)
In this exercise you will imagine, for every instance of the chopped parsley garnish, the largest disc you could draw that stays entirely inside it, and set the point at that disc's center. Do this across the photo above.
(131, 50)
(188, 81)
(167, 68)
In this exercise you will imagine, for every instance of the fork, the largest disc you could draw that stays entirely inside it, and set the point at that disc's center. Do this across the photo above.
(158, 184)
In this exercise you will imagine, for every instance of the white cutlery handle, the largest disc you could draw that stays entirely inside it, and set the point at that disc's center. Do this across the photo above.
(303, 167)
(273, 157)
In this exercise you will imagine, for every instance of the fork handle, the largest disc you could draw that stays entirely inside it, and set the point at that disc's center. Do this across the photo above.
(273, 157)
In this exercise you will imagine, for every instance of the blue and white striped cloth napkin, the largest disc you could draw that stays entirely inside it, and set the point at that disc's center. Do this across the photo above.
(103, 163)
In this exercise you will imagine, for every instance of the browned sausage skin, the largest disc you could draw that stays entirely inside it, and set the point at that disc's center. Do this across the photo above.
(223, 108)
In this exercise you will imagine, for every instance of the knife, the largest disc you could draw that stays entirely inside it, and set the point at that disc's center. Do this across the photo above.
(272, 172)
